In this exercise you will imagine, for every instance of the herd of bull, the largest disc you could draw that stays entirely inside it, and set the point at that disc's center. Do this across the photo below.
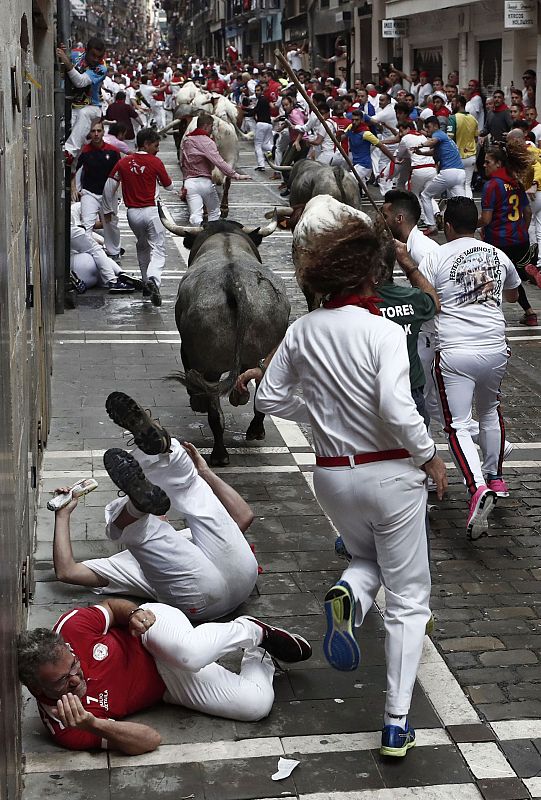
(231, 309)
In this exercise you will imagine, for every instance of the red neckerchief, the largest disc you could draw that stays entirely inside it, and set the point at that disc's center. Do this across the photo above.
(504, 176)
(354, 300)
(503, 107)
(199, 132)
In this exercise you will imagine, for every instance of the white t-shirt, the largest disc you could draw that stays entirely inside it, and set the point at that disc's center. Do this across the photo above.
(327, 145)
(475, 108)
(424, 92)
(418, 246)
(388, 116)
(295, 61)
(537, 133)
(353, 370)
(469, 277)
(406, 147)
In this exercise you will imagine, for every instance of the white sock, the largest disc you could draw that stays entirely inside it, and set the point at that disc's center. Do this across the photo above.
(132, 511)
(395, 720)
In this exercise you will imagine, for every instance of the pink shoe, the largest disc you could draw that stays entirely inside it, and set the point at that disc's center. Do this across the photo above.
(499, 486)
(481, 505)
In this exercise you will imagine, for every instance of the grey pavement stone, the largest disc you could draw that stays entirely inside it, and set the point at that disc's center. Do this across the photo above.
(428, 766)
(85, 785)
(503, 789)
(243, 779)
(528, 709)
(523, 757)
(485, 693)
(339, 772)
(163, 781)
(471, 644)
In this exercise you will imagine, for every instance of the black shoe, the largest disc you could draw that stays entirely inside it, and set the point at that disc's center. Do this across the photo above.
(146, 289)
(119, 287)
(285, 193)
(284, 646)
(148, 434)
(155, 296)
(130, 280)
(260, 169)
(125, 472)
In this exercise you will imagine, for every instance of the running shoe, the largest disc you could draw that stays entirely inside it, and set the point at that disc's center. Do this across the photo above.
(339, 645)
(396, 741)
(530, 320)
(148, 434)
(154, 289)
(130, 280)
(125, 471)
(282, 645)
(120, 287)
(533, 273)
(499, 486)
(481, 504)
(340, 549)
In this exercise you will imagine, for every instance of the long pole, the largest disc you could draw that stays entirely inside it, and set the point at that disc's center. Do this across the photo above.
(285, 64)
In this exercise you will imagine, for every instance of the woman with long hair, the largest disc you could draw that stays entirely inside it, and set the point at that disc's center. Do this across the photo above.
(506, 211)
(373, 449)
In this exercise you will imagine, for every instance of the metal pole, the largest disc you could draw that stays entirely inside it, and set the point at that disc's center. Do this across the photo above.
(285, 64)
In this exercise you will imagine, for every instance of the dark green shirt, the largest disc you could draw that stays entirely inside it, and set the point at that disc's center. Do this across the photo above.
(408, 307)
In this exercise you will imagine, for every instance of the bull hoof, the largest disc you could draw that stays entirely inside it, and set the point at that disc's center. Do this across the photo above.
(224, 213)
(237, 398)
(219, 459)
(255, 433)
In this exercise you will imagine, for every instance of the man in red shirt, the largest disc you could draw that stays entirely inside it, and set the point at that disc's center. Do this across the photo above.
(102, 663)
(216, 84)
(139, 174)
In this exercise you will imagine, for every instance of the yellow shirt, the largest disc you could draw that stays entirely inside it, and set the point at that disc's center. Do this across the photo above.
(464, 130)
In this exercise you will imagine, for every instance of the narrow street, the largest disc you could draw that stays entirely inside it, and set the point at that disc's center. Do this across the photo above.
(477, 705)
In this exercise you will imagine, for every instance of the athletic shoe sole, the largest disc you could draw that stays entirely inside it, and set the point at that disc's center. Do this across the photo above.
(155, 296)
(125, 472)
(478, 523)
(396, 752)
(339, 645)
(148, 434)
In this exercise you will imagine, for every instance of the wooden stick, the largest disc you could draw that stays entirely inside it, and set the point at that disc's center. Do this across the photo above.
(285, 64)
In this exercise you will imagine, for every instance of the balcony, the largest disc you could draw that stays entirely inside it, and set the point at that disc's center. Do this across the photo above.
(408, 8)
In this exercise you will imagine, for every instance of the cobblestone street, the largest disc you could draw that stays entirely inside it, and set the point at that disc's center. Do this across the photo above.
(477, 704)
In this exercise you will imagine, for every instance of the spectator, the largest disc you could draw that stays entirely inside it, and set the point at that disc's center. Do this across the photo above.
(498, 119)
(120, 111)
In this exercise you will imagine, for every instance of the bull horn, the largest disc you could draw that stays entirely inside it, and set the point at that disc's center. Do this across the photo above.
(174, 124)
(281, 211)
(276, 167)
(266, 230)
(178, 230)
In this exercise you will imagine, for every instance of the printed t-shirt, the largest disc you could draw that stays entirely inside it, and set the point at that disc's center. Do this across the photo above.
(121, 675)
(409, 307)
(97, 163)
(469, 277)
(139, 173)
(507, 201)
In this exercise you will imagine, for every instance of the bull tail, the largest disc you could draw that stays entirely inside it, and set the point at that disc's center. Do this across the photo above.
(196, 384)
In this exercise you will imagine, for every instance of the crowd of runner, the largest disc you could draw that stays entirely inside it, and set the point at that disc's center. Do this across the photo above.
(370, 387)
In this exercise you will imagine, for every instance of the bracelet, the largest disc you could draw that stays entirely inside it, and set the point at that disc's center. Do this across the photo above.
(135, 610)
(262, 366)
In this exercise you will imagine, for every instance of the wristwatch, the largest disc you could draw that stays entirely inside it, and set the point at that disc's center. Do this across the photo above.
(262, 366)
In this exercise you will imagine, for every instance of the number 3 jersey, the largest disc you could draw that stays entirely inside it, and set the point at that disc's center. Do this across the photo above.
(507, 200)
(470, 277)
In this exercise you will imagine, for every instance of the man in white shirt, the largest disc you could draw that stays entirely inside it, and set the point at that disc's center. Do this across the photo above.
(474, 106)
(472, 278)
(425, 89)
(423, 167)
(385, 168)
(371, 449)
(328, 154)
(294, 58)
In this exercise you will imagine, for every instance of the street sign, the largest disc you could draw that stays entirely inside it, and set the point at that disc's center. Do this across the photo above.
(393, 28)
(520, 14)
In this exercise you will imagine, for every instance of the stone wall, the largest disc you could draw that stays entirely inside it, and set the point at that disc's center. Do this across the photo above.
(27, 152)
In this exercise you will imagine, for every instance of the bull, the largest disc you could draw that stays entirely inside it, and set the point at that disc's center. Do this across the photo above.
(230, 311)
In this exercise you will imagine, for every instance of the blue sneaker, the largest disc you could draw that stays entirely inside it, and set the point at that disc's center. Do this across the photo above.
(340, 549)
(397, 741)
(339, 646)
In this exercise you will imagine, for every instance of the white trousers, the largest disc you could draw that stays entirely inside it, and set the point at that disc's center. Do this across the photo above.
(263, 142)
(363, 172)
(462, 377)
(202, 193)
(379, 510)
(207, 577)
(82, 242)
(385, 172)
(425, 348)
(469, 167)
(158, 112)
(447, 180)
(186, 656)
(417, 182)
(81, 122)
(536, 224)
(91, 207)
(150, 241)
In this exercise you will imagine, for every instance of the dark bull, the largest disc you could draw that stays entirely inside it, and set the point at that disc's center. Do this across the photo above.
(230, 311)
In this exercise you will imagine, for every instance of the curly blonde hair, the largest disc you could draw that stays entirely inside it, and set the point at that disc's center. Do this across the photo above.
(517, 159)
(346, 258)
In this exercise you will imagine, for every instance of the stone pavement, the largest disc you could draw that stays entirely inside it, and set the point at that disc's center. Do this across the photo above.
(476, 705)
